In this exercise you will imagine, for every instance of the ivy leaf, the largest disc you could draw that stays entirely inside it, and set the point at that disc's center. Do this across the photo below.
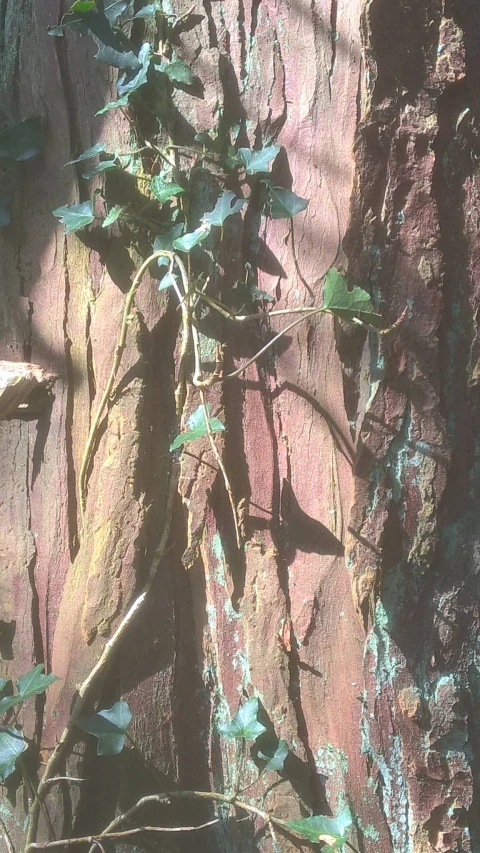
(99, 148)
(197, 428)
(5, 217)
(102, 167)
(332, 831)
(227, 205)
(258, 161)
(22, 141)
(188, 241)
(3, 682)
(112, 11)
(28, 685)
(347, 304)
(245, 724)
(112, 215)
(277, 760)
(121, 102)
(168, 280)
(284, 204)
(146, 11)
(109, 726)
(131, 82)
(165, 242)
(164, 190)
(178, 71)
(125, 60)
(83, 6)
(12, 745)
(75, 216)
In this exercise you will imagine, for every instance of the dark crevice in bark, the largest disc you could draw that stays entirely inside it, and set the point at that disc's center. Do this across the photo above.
(212, 29)
(242, 40)
(254, 18)
(69, 412)
(27, 344)
(333, 40)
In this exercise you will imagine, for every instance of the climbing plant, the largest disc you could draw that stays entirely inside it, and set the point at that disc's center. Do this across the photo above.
(174, 204)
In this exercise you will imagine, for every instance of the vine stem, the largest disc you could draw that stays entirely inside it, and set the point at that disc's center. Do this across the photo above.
(105, 659)
(120, 836)
(119, 349)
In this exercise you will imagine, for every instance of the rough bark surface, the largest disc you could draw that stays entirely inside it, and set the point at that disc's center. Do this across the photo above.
(366, 662)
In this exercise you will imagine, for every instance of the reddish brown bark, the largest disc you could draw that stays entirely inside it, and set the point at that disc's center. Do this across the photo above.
(367, 663)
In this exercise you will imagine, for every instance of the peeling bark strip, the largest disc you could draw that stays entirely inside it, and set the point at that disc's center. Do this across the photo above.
(413, 552)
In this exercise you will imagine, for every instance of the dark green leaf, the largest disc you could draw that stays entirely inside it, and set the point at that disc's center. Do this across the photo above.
(147, 11)
(22, 141)
(12, 745)
(109, 726)
(245, 724)
(101, 167)
(5, 217)
(121, 102)
(125, 60)
(168, 280)
(227, 205)
(113, 10)
(112, 215)
(165, 242)
(232, 158)
(284, 204)
(206, 141)
(98, 24)
(83, 6)
(75, 216)
(277, 760)
(258, 161)
(133, 81)
(188, 241)
(28, 685)
(4, 680)
(178, 71)
(197, 428)
(333, 831)
(99, 148)
(164, 190)
(346, 303)
(55, 31)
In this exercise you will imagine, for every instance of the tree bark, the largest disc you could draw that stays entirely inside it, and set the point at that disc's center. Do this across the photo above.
(366, 662)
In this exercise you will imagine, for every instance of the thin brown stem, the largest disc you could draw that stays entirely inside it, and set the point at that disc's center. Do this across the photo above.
(123, 835)
(102, 664)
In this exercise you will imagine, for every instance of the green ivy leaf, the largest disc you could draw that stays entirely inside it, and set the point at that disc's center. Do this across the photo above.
(147, 11)
(178, 71)
(22, 141)
(83, 6)
(99, 148)
(75, 216)
(112, 215)
(164, 190)
(188, 241)
(347, 304)
(245, 724)
(4, 680)
(165, 242)
(197, 428)
(258, 161)
(112, 11)
(227, 205)
(103, 166)
(332, 831)
(168, 280)
(109, 726)
(12, 745)
(124, 60)
(121, 102)
(28, 685)
(284, 204)
(130, 82)
(276, 760)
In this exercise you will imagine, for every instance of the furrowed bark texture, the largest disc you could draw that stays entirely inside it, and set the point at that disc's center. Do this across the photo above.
(366, 662)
